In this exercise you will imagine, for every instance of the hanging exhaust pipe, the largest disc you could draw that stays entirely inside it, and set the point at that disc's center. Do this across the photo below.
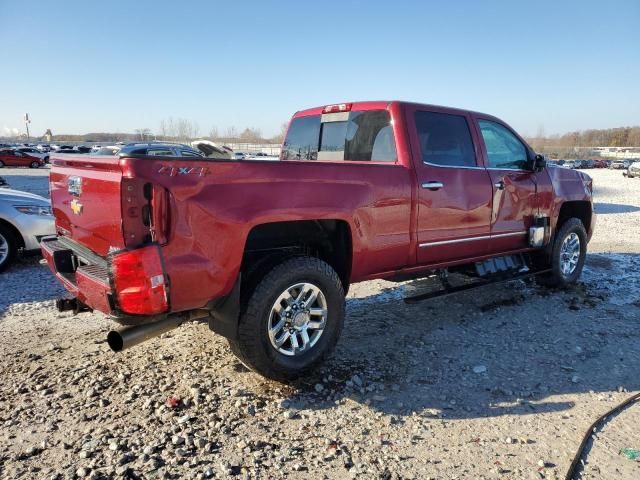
(131, 336)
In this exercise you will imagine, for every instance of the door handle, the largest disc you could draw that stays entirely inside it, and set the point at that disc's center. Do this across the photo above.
(433, 185)
(499, 185)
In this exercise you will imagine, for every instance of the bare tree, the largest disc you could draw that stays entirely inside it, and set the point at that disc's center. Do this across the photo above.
(251, 135)
(213, 133)
(279, 138)
(231, 133)
(143, 132)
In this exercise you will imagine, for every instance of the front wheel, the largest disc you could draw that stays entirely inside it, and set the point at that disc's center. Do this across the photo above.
(292, 320)
(34, 164)
(568, 255)
(8, 247)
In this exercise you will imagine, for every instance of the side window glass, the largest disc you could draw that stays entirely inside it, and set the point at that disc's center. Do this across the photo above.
(302, 139)
(445, 139)
(504, 150)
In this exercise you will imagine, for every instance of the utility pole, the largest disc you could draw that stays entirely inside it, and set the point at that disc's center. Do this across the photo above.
(27, 121)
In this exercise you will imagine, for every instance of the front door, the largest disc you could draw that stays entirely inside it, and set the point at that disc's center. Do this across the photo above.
(454, 190)
(514, 186)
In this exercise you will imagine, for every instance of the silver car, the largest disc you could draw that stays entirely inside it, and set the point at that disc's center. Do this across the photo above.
(633, 170)
(24, 219)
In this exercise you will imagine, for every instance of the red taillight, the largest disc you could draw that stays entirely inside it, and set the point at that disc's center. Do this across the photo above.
(340, 107)
(139, 281)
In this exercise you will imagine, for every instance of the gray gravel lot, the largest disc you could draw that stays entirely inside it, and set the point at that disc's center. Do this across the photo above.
(500, 382)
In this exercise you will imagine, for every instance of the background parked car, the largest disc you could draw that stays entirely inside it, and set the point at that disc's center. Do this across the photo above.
(600, 163)
(34, 152)
(13, 158)
(571, 164)
(632, 170)
(58, 148)
(110, 150)
(24, 219)
(587, 164)
(262, 156)
(620, 164)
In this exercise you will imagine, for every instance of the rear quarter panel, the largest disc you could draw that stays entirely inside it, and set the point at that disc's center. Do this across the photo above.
(213, 210)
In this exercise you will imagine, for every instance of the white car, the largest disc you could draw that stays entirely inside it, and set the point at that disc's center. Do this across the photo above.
(24, 219)
(633, 170)
(34, 152)
(262, 156)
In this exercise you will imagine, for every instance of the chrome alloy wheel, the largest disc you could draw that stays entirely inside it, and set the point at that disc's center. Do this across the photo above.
(297, 319)
(4, 249)
(569, 254)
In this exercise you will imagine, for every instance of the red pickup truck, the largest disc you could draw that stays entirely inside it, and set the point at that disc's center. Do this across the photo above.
(265, 251)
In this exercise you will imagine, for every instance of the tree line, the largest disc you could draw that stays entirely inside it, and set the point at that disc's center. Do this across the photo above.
(609, 137)
(178, 130)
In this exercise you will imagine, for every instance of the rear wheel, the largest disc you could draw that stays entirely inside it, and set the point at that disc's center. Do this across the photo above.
(34, 164)
(292, 319)
(1, 164)
(568, 255)
(8, 247)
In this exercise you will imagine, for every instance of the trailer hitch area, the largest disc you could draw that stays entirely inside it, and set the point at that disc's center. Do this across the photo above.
(72, 304)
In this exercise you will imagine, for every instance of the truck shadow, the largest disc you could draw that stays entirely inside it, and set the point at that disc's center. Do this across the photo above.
(511, 348)
(27, 281)
(609, 208)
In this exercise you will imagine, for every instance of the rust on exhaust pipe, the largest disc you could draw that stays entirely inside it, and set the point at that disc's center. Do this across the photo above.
(119, 340)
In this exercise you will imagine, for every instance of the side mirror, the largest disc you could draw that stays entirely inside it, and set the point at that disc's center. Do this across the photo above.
(538, 163)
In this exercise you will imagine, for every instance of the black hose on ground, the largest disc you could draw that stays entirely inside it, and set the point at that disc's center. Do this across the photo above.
(576, 460)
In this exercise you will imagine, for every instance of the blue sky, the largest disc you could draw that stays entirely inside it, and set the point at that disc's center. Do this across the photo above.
(86, 66)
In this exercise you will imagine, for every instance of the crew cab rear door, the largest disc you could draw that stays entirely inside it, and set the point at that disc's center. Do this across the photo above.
(513, 184)
(454, 189)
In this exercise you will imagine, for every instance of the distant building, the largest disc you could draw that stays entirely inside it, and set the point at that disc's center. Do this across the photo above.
(612, 152)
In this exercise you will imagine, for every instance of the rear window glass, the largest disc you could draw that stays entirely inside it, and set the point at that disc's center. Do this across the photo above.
(160, 153)
(356, 136)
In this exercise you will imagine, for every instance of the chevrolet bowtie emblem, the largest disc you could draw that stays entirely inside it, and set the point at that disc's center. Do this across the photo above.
(76, 206)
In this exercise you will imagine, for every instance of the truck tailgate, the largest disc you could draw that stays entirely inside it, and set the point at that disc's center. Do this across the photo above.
(87, 201)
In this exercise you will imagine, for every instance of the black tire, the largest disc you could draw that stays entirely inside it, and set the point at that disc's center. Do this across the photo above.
(253, 347)
(7, 239)
(1, 164)
(556, 278)
(34, 164)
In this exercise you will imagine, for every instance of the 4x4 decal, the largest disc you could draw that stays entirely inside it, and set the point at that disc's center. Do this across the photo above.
(175, 170)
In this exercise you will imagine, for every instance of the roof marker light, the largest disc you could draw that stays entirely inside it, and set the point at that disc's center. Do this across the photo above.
(338, 107)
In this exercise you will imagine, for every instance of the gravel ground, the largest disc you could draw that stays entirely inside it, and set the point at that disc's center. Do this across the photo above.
(500, 382)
